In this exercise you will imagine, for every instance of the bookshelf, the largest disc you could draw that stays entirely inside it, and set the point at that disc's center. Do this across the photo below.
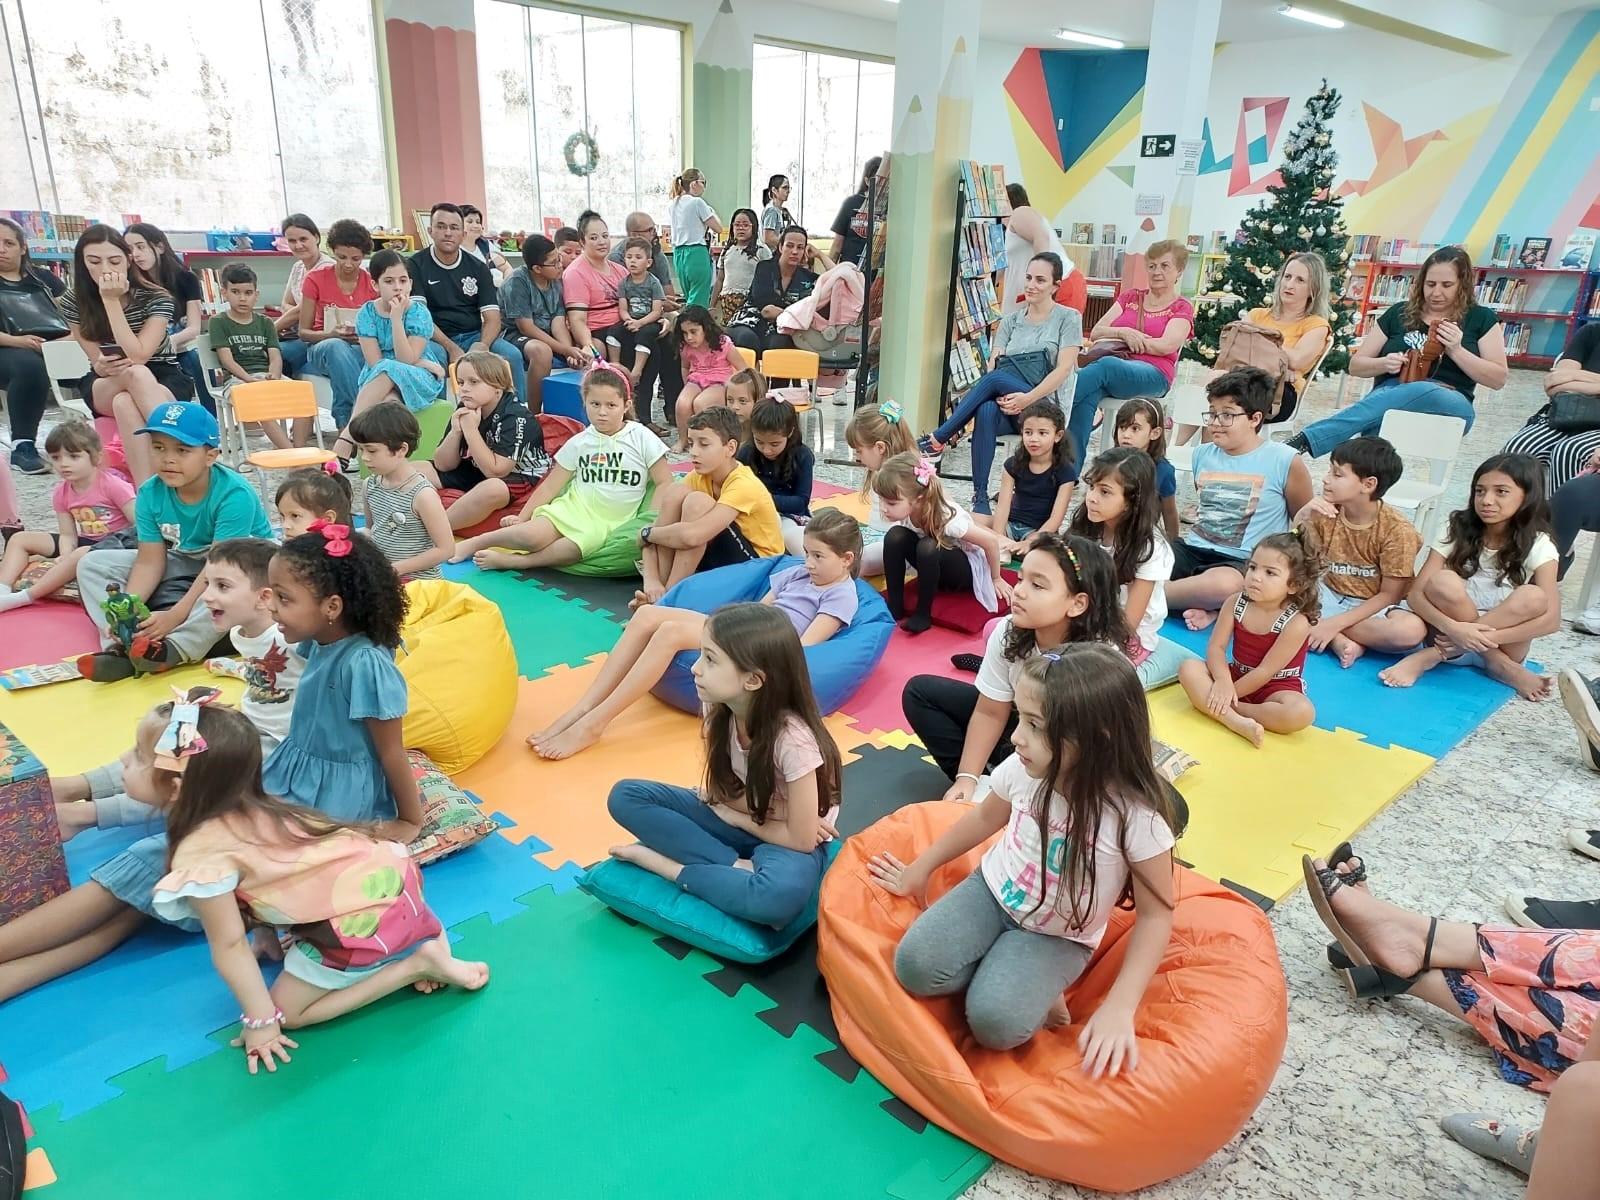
(977, 277)
(877, 205)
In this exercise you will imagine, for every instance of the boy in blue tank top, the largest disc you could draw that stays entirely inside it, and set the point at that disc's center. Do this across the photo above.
(1249, 488)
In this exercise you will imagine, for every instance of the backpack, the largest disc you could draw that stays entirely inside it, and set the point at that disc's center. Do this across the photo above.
(1244, 344)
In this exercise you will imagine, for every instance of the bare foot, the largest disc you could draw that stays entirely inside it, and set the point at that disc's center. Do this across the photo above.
(650, 593)
(1058, 1015)
(651, 860)
(574, 739)
(1246, 727)
(73, 817)
(1392, 937)
(1411, 668)
(1530, 685)
(560, 723)
(438, 967)
(1348, 651)
(499, 560)
(466, 548)
(1198, 618)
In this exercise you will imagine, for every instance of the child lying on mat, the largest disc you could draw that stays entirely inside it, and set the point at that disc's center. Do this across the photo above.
(610, 467)
(93, 507)
(351, 905)
(753, 844)
(1088, 824)
(819, 599)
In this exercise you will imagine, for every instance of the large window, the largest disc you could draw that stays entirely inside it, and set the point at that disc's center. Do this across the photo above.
(818, 118)
(544, 75)
(196, 114)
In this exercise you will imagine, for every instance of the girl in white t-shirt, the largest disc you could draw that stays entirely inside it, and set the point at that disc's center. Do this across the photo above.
(938, 538)
(610, 467)
(693, 222)
(1489, 585)
(1087, 822)
(1120, 510)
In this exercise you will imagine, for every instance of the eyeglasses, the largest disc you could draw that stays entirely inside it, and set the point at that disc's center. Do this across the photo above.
(1223, 419)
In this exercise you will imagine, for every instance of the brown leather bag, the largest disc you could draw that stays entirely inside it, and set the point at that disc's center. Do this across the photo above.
(1110, 347)
(1245, 344)
(1421, 361)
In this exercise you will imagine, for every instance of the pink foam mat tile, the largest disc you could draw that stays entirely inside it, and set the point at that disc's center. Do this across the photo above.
(45, 632)
(876, 707)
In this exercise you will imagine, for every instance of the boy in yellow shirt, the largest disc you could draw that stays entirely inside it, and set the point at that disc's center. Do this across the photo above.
(720, 514)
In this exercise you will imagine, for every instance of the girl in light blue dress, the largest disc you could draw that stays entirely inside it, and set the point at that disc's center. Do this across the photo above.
(396, 340)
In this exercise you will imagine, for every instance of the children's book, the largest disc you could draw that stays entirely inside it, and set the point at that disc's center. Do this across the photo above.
(1534, 252)
(1575, 255)
(18, 678)
(1500, 256)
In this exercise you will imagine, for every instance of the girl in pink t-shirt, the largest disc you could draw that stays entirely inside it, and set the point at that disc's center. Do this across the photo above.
(753, 841)
(92, 505)
(1084, 822)
(709, 359)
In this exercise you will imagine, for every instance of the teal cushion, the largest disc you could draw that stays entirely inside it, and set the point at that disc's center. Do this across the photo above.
(665, 907)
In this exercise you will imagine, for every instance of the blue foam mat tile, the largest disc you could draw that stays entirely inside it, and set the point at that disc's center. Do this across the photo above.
(488, 878)
(1432, 717)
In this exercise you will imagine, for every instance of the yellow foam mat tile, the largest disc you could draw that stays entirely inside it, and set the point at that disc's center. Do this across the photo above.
(72, 727)
(37, 1171)
(1253, 813)
(564, 803)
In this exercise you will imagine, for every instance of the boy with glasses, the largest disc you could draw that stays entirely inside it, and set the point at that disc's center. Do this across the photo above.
(1249, 486)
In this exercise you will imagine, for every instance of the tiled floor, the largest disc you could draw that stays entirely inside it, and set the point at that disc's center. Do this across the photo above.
(1362, 1086)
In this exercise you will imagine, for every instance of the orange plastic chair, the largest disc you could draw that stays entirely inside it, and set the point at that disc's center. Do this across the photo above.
(797, 364)
(279, 400)
(748, 355)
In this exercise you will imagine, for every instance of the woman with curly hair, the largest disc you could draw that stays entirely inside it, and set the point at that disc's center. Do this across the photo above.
(330, 298)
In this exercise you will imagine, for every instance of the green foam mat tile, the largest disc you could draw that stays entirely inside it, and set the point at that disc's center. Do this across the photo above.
(592, 1065)
(547, 628)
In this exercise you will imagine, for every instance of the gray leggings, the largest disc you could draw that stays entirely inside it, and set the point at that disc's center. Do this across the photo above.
(1011, 975)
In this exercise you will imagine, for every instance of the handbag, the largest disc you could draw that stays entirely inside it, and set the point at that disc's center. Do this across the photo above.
(1245, 344)
(30, 312)
(1572, 412)
(1031, 366)
(1111, 347)
(1422, 356)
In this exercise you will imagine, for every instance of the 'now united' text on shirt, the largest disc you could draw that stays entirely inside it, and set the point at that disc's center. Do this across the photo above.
(612, 467)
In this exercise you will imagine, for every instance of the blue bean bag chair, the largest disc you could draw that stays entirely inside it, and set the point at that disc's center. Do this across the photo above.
(839, 665)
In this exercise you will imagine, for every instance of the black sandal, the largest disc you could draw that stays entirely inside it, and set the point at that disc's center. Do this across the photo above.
(1321, 883)
(1369, 982)
(1342, 854)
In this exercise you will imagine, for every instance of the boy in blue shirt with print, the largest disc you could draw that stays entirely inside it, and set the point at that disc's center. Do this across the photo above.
(189, 503)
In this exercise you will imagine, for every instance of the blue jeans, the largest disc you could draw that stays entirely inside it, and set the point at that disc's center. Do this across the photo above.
(507, 351)
(981, 407)
(295, 352)
(1366, 414)
(340, 363)
(675, 822)
(1119, 378)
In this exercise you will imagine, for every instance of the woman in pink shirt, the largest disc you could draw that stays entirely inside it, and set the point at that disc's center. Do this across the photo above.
(590, 285)
(344, 285)
(1152, 327)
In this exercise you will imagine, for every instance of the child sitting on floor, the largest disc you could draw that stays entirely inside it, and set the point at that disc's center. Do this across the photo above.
(1248, 487)
(493, 453)
(598, 482)
(405, 516)
(1262, 686)
(352, 905)
(875, 433)
(1369, 552)
(1036, 485)
(710, 360)
(1088, 824)
(819, 597)
(938, 538)
(753, 841)
(1142, 425)
(783, 462)
(313, 494)
(1488, 587)
(745, 390)
(1119, 512)
(188, 504)
(93, 507)
(720, 514)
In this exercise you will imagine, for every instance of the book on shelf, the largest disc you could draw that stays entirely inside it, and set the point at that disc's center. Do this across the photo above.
(1363, 245)
(1577, 252)
(1534, 252)
(1517, 334)
(1083, 233)
(983, 247)
(1500, 256)
(1193, 243)
(1503, 291)
(1108, 235)
(986, 189)
(1219, 241)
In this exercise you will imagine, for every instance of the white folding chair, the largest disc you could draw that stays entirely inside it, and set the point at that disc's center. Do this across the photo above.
(64, 359)
(1185, 404)
(232, 432)
(1435, 438)
(1589, 597)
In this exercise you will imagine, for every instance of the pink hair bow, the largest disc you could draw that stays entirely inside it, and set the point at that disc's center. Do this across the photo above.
(924, 471)
(336, 538)
(614, 369)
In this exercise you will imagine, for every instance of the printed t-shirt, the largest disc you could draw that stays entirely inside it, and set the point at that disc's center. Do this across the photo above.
(1241, 497)
(229, 509)
(756, 515)
(795, 754)
(457, 295)
(640, 298)
(660, 264)
(1033, 494)
(1154, 325)
(851, 226)
(613, 472)
(1011, 866)
(739, 268)
(594, 289)
(272, 671)
(248, 343)
(1293, 333)
(97, 510)
(803, 602)
(511, 431)
(1359, 559)
(1474, 325)
(323, 290)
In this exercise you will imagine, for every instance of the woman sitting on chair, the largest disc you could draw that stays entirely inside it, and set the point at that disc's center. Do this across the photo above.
(1299, 311)
(776, 284)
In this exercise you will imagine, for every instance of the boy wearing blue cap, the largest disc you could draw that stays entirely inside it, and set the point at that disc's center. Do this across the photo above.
(189, 503)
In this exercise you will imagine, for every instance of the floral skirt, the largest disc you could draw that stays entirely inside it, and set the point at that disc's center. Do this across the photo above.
(1534, 1002)
(728, 306)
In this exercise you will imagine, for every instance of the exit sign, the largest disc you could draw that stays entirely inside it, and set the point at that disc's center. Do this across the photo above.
(1157, 145)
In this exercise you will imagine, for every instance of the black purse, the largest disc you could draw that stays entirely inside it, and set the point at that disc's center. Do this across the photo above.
(1031, 365)
(30, 312)
(1570, 412)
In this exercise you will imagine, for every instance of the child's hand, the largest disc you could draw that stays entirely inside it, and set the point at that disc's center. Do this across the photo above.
(158, 625)
(1108, 1042)
(826, 831)
(1319, 506)
(894, 877)
(1474, 636)
(1321, 634)
(1002, 588)
(1221, 698)
(264, 1047)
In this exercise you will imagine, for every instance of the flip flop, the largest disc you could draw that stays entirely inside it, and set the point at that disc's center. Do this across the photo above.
(1321, 885)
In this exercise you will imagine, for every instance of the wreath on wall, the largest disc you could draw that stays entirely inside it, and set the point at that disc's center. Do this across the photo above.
(590, 156)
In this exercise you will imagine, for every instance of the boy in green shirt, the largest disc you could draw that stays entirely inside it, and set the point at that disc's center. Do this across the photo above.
(246, 342)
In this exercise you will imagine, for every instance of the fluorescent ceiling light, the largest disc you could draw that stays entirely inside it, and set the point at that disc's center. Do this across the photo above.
(1089, 39)
(1309, 17)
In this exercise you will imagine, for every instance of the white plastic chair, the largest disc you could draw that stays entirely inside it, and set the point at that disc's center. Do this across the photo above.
(1435, 438)
(64, 358)
(1185, 404)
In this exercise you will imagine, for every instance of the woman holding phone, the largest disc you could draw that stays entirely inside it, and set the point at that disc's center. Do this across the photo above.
(120, 318)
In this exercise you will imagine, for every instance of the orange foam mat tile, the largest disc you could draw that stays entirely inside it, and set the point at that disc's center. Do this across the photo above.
(563, 803)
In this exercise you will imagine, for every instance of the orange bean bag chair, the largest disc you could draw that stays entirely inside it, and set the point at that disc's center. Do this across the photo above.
(1211, 1027)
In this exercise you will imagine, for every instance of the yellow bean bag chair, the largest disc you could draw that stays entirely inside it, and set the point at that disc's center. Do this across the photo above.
(460, 671)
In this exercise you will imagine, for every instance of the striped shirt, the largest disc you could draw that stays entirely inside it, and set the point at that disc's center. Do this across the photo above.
(144, 304)
(394, 524)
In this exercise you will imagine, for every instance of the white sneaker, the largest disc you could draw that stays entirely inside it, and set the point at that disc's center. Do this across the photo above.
(1587, 621)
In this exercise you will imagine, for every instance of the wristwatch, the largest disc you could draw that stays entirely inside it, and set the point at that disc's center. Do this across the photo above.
(644, 535)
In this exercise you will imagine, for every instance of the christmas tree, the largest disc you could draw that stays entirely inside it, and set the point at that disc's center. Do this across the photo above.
(1300, 213)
